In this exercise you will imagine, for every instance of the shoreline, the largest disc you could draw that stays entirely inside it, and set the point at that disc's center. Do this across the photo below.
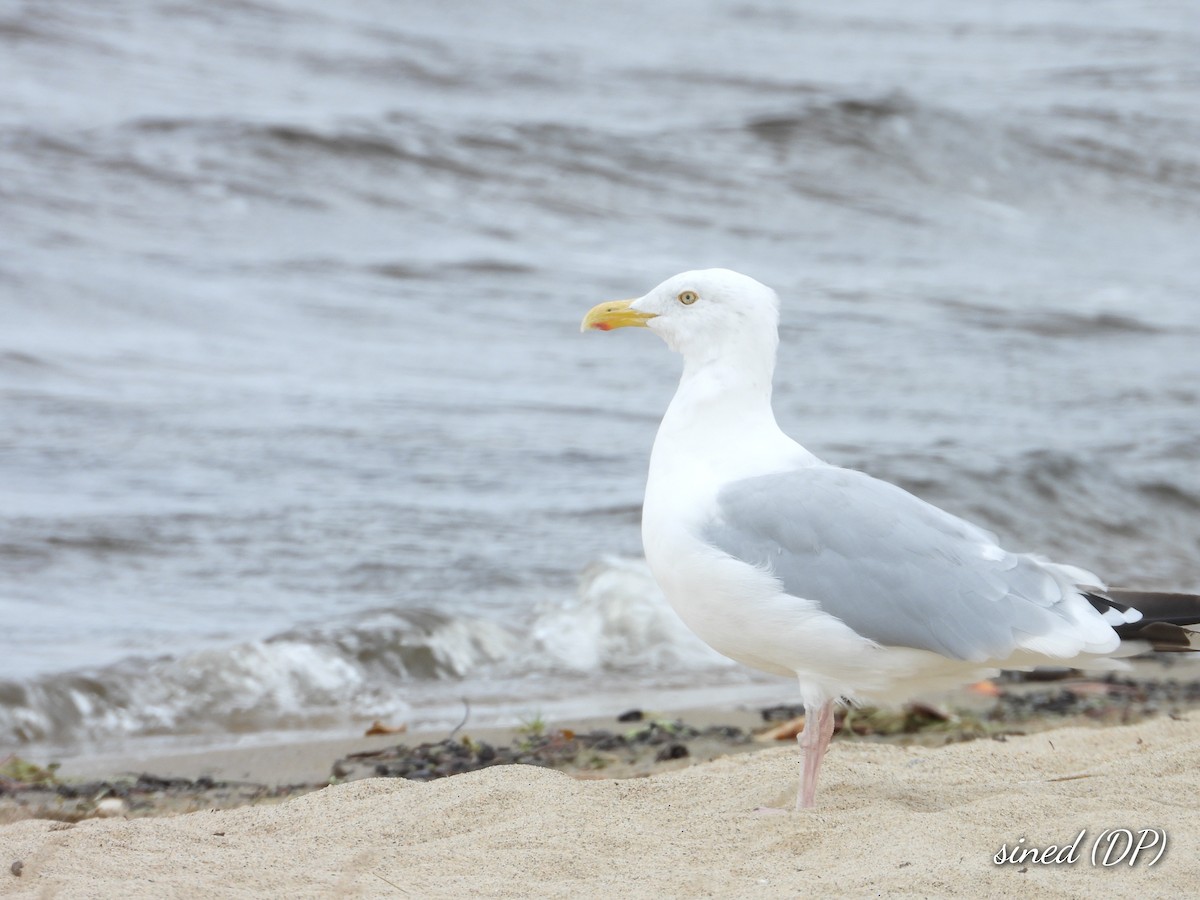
(153, 782)
(289, 758)
(310, 760)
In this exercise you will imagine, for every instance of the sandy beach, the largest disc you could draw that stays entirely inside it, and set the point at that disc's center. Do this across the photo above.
(907, 821)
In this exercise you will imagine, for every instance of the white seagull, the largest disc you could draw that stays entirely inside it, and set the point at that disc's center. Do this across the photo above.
(851, 585)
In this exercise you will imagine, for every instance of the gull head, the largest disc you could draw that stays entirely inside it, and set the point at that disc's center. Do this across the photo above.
(706, 315)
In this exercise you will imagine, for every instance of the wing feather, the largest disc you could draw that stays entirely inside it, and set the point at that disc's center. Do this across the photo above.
(897, 570)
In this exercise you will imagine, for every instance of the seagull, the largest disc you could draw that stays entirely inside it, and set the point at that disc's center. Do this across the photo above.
(853, 586)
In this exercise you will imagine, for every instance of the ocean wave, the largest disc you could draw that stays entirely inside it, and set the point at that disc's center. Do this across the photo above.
(850, 120)
(1068, 325)
(1107, 510)
(292, 163)
(618, 619)
(1172, 494)
(897, 139)
(891, 155)
(322, 675)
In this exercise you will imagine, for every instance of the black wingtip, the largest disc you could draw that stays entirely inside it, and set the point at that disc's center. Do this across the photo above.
(1165, 617)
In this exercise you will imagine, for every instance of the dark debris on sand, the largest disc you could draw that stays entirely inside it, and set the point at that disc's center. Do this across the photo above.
(1016, 709)
(37, 793)
(1112, 700)
(649, 742)
(1027, 702)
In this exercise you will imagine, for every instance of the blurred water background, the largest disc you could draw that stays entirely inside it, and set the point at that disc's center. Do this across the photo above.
(296, 427)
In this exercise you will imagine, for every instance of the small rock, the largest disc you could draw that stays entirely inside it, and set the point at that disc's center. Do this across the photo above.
(632, 715)
(16, 867)
(782, 713)
(727, 733)
(928, 711)
(110, 807)
(673, 751)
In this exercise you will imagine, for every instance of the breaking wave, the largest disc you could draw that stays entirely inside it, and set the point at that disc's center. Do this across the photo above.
(330, 674)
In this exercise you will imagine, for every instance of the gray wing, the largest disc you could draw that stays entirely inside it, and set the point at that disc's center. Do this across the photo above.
(892, 567)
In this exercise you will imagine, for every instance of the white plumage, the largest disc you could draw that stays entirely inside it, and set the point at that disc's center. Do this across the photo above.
(787, 564)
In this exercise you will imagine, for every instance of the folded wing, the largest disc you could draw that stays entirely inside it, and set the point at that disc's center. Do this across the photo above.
(902, 572)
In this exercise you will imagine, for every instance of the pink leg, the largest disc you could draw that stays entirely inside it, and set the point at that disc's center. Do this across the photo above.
(814, 740)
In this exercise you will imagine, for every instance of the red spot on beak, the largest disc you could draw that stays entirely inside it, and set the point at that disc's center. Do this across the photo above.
(602, 326)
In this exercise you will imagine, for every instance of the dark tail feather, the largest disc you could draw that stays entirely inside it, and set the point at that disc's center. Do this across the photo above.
(1165, 621)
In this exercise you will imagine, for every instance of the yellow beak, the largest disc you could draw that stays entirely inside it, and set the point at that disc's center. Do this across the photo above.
(614, 314)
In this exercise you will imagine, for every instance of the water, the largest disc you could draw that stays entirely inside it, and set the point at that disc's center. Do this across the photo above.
(297, 426)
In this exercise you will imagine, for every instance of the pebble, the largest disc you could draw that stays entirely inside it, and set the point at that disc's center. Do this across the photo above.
(111, 807)
(674, 751)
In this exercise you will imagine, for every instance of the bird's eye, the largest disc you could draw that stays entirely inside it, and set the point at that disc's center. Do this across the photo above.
(687, 298)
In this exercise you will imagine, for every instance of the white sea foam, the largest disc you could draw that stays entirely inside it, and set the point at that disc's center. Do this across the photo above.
(371, 666)
(619, 619)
